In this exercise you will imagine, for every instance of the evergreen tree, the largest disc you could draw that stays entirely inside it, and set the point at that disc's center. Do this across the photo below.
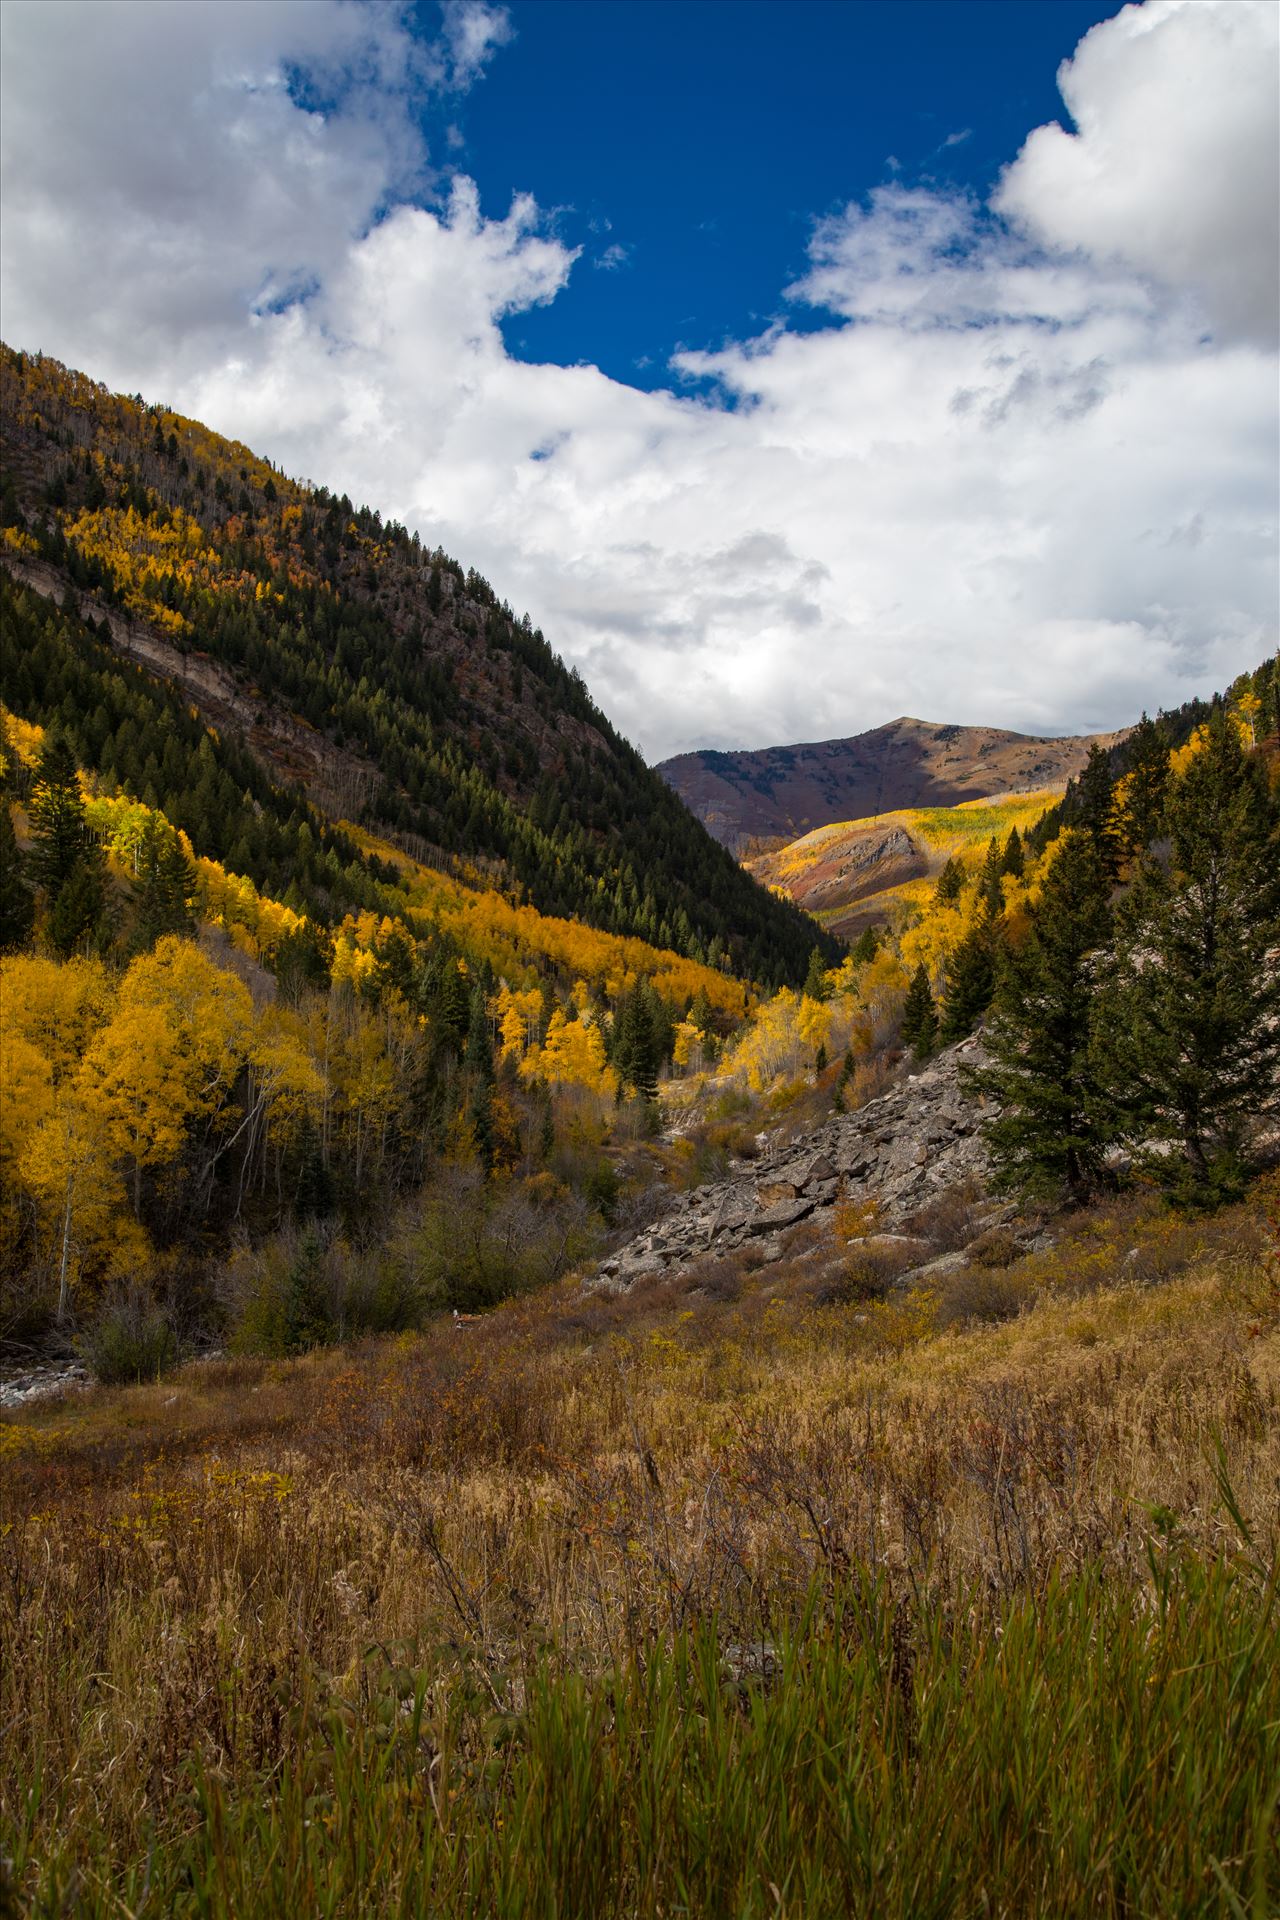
(635, 1044)
(478, 1059)
(164, 887)
(1049, 1138)
(1188, 1029)
(951, 883)
(920, 1015)
(815, 982)
(59, 835)
(1141, 819)
(17, 907)
(76, 919)
(1093, 808)
(1014, 861)
(971, 981)
(990, 891)
(865, 947)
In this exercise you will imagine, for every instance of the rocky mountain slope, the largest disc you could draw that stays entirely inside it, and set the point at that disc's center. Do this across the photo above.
(889, 1160)
(776, 794)
(850, 875)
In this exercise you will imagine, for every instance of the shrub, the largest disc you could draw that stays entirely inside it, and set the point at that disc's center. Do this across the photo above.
(129, 1339)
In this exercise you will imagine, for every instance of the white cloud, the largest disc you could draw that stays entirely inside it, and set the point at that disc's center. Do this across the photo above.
(1175, 165)
(1003, 482)
(473, 32)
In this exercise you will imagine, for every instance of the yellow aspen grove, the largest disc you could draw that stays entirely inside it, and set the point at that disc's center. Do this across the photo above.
(572, 1055)
(68, 1168)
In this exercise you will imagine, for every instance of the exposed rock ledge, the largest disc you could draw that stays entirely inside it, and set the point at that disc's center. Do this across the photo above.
(900, 1150)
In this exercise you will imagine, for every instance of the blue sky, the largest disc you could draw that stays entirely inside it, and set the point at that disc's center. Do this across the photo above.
(794, 366)
(700, 141)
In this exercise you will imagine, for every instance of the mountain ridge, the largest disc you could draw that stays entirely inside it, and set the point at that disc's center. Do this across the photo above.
(338, 642)
(757, 796)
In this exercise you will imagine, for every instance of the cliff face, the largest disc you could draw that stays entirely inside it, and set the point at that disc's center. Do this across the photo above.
(779, 793)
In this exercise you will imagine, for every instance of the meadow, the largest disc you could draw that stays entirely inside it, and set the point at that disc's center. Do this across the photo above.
(744, 1594)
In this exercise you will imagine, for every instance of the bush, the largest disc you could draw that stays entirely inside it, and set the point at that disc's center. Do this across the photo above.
(129, 1339)
(312, 1289)
(974, 1295)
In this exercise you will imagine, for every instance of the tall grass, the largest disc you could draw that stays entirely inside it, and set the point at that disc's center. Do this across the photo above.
(706, 1602)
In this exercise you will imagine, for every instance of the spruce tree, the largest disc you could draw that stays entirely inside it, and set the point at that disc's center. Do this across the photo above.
(1141, 813)
(1188, 1028)
(990, 890)
(1093, 808)
(920, 1015)
(635, 1044)
(17, 907)
(971, 980)
(1049, 1139)
(164, 886)
(951, 883)
(815, 983)
(59, 834)
(865, 947)
(1014, 860)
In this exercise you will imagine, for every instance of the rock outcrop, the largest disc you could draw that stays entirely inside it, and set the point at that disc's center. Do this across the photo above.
(900, 1151)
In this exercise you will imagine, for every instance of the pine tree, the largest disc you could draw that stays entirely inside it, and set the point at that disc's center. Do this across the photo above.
(164, 887)
(635, 1044)
(815, 983)
(951, 883)
(920, 1015)
(1014, 860)
(865, 947)
(17, 907)
(1093, 808)
(59, 834)
(76, 919)
(990, 887)
(1189, 1019)
(1147, 781)
(971, 981)
(1050, 1136)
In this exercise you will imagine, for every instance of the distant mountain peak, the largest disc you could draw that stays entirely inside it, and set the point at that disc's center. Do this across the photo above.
(769, 795)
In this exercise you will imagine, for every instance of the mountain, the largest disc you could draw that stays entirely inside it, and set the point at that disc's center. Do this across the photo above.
(776, 794)
(363, 673)
(850, 874)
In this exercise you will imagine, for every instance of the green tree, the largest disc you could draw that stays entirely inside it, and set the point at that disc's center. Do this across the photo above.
(76, 919)
(1188, 1028)
(59, 834)
(17, 906)
(164, 887)
(815, 982)
(1050, 1135)
(920, 1015)
(1141, 812)
(1093, 808)
(971, 980)
(951, 882)
(636, 1043)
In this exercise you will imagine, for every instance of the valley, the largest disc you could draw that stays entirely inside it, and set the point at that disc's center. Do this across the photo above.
(515, 1321)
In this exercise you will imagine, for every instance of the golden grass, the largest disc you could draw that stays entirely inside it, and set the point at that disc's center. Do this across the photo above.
(580, 1477)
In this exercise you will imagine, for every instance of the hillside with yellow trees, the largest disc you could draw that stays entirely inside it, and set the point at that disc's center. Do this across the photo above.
(465, 1500)
(328, 645)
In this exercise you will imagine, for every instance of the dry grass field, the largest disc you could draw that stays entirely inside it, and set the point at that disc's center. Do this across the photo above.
(724, 1598)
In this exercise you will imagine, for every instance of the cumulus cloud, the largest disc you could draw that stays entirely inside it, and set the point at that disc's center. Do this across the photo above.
(1006, 477)
(1174, 167)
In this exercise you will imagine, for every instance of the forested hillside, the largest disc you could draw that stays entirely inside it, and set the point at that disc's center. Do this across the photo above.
(342, 650)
